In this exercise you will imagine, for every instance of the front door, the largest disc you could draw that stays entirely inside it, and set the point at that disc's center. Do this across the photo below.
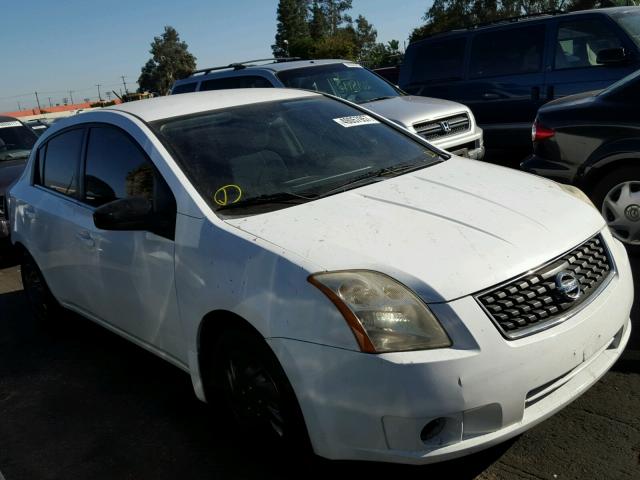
(575, 46)
(133, 287)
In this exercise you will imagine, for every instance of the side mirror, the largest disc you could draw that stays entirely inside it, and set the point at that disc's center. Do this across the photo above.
(612, 56)
(125, 214)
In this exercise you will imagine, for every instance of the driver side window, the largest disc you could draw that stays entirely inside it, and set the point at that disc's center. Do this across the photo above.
(579, 42)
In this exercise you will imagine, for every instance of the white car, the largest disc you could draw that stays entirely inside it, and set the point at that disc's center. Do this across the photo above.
(338, 278)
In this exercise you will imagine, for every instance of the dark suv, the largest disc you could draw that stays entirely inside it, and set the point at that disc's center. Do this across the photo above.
(16, 141)
(505, 71)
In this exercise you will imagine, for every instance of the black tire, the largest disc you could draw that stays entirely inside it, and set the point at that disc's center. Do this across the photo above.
(43, 304)
(606, 187)
(256, 389)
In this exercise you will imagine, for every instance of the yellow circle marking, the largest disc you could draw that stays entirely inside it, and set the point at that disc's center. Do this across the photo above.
(224, 193)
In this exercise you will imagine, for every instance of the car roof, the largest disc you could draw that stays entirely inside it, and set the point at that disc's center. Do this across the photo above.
(4, 118)
(186, 104)
(273, 66)
(541, 17)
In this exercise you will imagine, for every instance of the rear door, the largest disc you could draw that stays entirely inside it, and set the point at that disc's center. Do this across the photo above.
(50, 213)
(575, 43)
(505, 82)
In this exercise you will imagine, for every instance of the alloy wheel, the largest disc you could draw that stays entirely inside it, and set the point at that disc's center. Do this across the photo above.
(255, 394)
(621, 210)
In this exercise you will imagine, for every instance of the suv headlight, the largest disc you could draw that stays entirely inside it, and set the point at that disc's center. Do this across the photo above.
(384, 315)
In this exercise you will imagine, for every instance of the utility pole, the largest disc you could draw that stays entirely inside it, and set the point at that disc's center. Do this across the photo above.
(71, 96)
(19, 106)
(38, 101)
(125, 84)
(50, 102)
(99, 95)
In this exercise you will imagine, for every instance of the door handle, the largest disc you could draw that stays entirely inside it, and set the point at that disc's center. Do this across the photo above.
(86, 239)
(490, 96)
(535, 93)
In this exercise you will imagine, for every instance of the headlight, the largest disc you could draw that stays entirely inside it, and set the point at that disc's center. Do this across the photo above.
(577, 193)
(384, 315)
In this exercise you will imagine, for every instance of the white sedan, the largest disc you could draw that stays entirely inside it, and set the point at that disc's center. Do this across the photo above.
(343, 283)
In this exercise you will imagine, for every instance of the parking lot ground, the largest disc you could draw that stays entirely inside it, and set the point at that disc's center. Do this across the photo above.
(78, 402)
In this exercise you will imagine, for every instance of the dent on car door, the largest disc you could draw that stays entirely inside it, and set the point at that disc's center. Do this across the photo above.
(574, 66)
(133, 287)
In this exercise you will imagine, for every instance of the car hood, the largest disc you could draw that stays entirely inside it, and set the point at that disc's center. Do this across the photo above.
(447, 231)
(408, 110)
(10, 170)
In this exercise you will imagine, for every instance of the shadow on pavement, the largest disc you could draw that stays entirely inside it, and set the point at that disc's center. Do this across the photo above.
(80, 402)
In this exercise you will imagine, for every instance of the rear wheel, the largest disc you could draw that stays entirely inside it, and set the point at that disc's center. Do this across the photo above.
(257, 390)
(43, 304)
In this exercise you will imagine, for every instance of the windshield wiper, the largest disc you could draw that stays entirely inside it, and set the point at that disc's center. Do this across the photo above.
(380, 173)
(281, 197)
(378, 98)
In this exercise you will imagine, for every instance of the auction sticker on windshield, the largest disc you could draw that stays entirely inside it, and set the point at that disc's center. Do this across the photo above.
(10, 124)
(355, 121)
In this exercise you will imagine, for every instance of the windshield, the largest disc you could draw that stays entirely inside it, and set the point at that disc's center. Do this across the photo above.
(345, 80)
(630, 22)
(16, 140)
(271, 155)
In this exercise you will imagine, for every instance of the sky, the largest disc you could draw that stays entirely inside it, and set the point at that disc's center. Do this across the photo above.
(55, 46)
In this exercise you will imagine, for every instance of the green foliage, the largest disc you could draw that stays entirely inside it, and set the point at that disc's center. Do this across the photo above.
(292, 25)
(445, 15)
(169, 62)
(324, 29)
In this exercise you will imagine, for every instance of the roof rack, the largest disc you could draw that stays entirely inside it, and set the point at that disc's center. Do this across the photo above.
(519, 17)
(241, 65)
(497, 21)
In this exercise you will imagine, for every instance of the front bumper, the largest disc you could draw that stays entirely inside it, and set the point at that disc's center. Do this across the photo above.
(484, 390)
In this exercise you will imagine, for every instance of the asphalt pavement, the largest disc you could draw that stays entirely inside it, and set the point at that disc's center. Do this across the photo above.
(78, 402)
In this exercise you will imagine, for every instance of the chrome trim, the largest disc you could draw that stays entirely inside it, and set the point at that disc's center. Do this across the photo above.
(525, 332)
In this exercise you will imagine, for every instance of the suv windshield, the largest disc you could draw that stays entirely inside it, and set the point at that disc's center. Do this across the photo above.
(630, 22)
(345, 80)
(261, 157)
(16, 140)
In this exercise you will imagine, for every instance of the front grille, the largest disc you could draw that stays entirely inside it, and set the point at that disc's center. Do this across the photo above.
(533, 301)
(443, 127)
(3, 207)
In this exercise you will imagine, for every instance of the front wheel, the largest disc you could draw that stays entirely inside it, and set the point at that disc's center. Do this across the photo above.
(257, 390)
(617, 196)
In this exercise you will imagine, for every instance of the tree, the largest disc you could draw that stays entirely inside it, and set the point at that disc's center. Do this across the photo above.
(292, 26)
(170, 60)
(334, 13)
(365, 35)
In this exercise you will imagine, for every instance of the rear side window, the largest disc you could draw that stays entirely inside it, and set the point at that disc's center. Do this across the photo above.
(245, 81)
(513, 51)
(115, 168)
(579, 41)
(184, 88)
(61, 160)
(442, 60)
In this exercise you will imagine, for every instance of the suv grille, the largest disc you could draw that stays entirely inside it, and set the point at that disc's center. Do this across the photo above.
(443, 127)
(534, 302)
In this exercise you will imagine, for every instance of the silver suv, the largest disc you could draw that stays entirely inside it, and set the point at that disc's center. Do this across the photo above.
(447, 125)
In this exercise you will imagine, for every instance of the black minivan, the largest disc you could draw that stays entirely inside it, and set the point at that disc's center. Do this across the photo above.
(506, 70)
